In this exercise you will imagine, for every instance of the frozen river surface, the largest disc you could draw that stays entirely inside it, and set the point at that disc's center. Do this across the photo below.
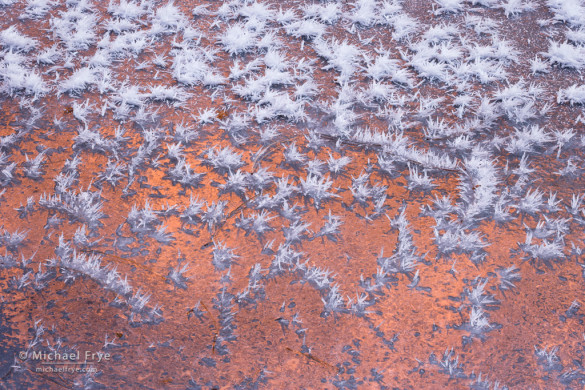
(286, 195)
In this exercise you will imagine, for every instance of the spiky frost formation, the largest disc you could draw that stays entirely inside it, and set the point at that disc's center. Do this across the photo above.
(224, 155)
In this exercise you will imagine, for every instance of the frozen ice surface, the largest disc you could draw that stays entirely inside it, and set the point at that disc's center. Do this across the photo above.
(283, 194)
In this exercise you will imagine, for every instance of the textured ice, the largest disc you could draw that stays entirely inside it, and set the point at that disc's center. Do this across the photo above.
(281, 194)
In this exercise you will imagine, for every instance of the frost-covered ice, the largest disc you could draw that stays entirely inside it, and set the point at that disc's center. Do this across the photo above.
(320, 194)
